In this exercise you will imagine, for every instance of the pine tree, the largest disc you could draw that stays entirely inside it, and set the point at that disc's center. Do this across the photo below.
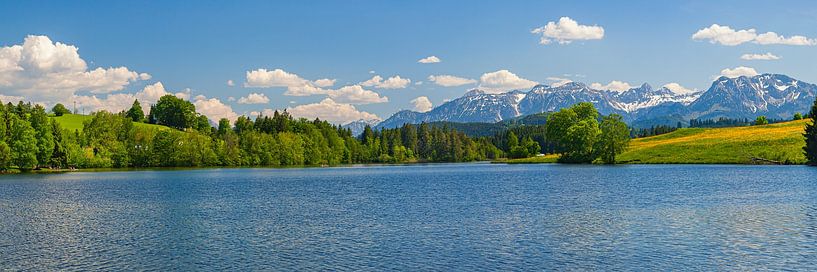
(135, 112)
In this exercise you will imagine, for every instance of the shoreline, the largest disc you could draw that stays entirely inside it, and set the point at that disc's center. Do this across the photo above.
(507, 162)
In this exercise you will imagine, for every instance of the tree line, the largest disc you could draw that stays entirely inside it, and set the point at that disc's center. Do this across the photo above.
(29, 139)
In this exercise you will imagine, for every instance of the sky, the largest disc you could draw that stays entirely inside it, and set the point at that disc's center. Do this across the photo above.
(347, 60)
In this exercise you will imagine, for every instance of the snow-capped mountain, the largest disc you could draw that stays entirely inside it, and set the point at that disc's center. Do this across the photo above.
(646, 97)
(776, 96)
(357, 126)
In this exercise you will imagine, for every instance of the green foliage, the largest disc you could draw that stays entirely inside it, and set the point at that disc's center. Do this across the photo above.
(135, 112)
(580, 138)
(59, 110)
(174, 112)
(615, 137)
(797, 116)
(810, 149)
(761, 120)
(29, 137)
(23, 143)
(45, 136)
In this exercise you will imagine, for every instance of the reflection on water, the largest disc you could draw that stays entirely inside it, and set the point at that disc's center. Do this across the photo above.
(421, 217)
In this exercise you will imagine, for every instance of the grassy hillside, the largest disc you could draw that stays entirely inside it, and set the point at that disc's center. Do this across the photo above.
(74, 122)
(781, 142)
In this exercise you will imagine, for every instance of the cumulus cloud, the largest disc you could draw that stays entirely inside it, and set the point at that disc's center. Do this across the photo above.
(567, 30)
(503, 81)
(678, 89)
(296, 85)
(422, 104)
(40, 69)
(331, 111)
(450, 81)
(395, 82)
(773, 38)
(558, 81)
(739, 71)
(614, 85)
(254, 98)
(767, 56)
(214, 109)
(429, 59)
(230, 83)
(325, 82)
(10, 98)
(355, 94)
(728, 36)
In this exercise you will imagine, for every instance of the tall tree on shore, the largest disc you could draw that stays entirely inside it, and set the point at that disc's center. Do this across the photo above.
(811, 136)
(23, 143)
(615, 137)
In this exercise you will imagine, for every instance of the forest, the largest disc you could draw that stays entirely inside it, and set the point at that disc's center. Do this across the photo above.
(179, 137)
(30, 139)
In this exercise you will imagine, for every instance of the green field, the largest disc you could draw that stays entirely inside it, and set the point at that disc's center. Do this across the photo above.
(75, 122)
(781, 142)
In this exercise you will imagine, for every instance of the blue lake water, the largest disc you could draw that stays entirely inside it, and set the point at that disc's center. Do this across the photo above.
(418, 217)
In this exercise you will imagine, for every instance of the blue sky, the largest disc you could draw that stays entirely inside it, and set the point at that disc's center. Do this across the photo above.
(197, 46)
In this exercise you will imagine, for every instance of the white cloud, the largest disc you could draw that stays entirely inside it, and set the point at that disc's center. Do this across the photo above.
(41, 69)
(773, 38)
(566, 31)
(767, 56)
(450, 81)
(503, 81)
(214, 109)
(10, 98)
(395, 82)
(254, 98)
(230, 83)
(739, 71)
(296, 86)
(558, 81)
(678, 89)
(231, 99)
(725, 35)
(331, 111)
(615, 85)
(150, 94)
(430, 59)
(355, 94)
(422, 104)
(324, 82)
(261, 78)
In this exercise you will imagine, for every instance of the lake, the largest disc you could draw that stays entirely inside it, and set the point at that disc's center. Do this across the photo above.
(468, 217)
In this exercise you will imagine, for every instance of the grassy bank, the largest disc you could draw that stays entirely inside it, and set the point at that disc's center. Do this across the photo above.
(781, 142)
(75, 122)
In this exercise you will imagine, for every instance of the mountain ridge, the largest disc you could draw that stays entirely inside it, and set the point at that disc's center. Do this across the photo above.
(773, 95)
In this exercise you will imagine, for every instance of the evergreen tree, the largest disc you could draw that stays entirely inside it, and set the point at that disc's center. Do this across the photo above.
(135, 112)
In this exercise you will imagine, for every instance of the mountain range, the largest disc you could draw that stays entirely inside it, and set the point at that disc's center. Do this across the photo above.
(772, 95)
